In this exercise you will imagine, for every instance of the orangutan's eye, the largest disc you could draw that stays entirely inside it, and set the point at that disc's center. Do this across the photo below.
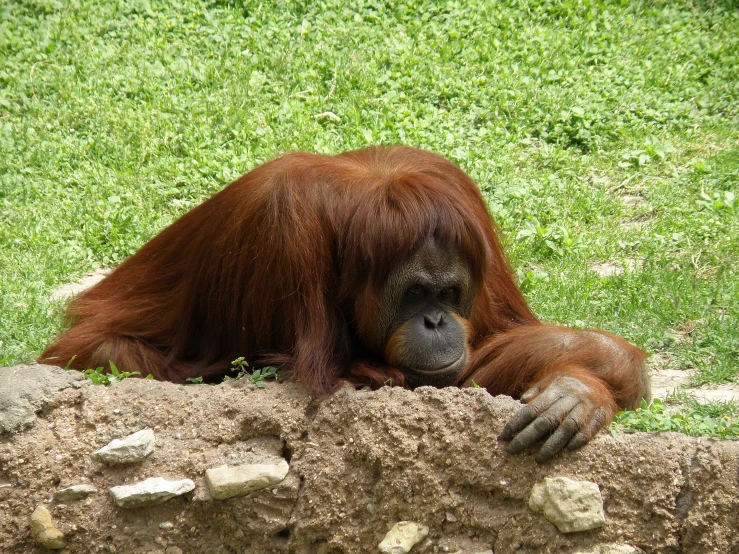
(416, 290)
(448, 293)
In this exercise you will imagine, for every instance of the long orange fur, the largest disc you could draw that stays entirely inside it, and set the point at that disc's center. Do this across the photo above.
(284, 266)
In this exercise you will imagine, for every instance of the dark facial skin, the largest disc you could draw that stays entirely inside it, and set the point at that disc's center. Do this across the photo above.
(422, 305)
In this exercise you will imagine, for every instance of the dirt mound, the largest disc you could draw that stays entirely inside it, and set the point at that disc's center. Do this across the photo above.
(359, 462)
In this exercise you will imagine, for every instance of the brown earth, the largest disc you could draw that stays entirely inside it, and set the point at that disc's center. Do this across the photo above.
(360, 461)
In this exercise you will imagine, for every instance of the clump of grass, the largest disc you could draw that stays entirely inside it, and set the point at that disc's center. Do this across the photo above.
(108, 376)
(717, 419)
(257, 376)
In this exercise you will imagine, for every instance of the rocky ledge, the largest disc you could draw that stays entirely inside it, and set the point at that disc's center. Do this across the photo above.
(236, 468)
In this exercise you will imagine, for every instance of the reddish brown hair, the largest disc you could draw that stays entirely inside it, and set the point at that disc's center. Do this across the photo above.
(282, 267)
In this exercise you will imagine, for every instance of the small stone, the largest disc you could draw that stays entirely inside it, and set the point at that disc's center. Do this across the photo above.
(173, 550)
(166, 525)
(150, 492)
(609, 548)
(450, 517)
(75, 492)
(229, 482)
(133, 448)
(43, 531)
(403, 536)
(571, 505)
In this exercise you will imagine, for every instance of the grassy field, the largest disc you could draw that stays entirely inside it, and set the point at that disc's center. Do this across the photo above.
(604, 134)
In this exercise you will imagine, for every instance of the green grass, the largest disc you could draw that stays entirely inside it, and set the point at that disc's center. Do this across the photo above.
(108, 376)
(118, 116)
(716, 419)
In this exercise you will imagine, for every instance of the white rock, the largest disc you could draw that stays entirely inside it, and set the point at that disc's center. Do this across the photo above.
(43, 530)
(228, 482)
(133, 448)
(73, 289)
(75, 492)
(403, 536)
(149, 492)
(610, 548)
(571, 505)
